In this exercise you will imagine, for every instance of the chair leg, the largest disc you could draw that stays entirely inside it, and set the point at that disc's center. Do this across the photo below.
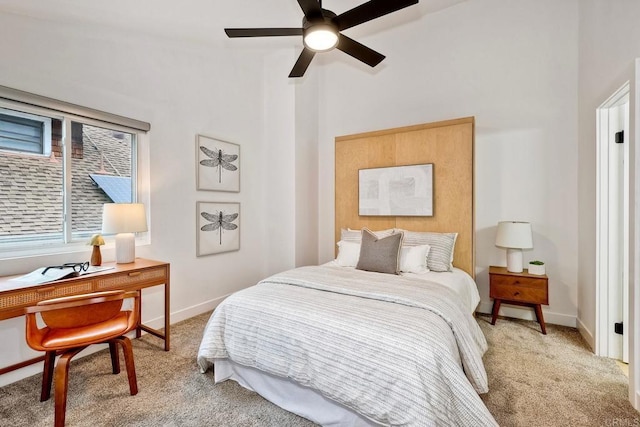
(128, 360)
(62, 384)
(47, 375)
(115, 360)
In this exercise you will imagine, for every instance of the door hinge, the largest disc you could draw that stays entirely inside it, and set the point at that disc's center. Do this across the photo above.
(620, 137)
(618, 328)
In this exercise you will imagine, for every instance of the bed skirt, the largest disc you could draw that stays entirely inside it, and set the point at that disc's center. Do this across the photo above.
(290, 396)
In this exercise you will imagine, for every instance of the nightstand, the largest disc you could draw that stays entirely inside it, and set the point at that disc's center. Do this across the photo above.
(526, 289)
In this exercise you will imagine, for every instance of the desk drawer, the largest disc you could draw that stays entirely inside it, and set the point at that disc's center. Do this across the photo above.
(31, 296)
(151, 276)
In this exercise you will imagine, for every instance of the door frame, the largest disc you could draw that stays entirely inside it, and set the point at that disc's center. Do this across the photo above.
(605, 339)
(634, 234)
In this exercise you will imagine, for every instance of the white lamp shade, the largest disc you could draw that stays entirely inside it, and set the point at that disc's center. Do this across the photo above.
(514, 234)
(123, 218)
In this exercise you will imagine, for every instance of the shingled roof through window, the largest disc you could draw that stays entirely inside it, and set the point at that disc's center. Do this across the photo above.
(31, 185)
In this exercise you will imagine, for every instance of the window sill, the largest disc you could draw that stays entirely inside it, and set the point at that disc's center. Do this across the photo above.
(43, 250)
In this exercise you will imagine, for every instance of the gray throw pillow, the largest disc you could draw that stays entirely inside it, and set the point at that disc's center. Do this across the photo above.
(379, 254)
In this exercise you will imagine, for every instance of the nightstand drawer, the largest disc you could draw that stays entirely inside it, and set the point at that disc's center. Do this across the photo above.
(512, 291)
(518, 281)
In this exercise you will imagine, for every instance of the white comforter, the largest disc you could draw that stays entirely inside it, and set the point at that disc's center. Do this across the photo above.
(393, 352)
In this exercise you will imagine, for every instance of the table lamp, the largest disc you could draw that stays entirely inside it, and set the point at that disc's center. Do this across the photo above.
(125, 219)
(514, 236)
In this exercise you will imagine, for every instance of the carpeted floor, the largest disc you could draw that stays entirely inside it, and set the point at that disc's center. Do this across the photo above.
(538, 380)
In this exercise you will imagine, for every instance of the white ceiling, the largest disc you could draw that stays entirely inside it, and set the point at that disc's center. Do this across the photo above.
(199, 20)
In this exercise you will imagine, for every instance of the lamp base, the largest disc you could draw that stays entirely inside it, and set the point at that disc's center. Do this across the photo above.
(514, 260)
(125, 248)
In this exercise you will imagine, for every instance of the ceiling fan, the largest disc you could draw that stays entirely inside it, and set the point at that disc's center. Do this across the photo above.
(321, 30)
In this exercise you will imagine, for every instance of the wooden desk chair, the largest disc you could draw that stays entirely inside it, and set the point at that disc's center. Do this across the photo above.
(73, 323)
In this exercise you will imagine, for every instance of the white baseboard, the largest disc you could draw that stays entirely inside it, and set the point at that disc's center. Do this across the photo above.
(526, 313)
(186, 313)
(156, 323)
(587, 335)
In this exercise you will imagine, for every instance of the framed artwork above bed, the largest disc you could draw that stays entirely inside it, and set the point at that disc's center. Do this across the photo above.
(396, 191)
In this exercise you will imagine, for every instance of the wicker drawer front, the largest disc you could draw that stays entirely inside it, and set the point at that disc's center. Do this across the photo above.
(134, 278)
(27, 297)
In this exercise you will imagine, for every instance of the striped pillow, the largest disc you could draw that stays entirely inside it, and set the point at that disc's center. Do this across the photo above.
(440, 256)
(349, 235)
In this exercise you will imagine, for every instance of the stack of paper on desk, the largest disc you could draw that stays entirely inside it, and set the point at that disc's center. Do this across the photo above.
(36, 277)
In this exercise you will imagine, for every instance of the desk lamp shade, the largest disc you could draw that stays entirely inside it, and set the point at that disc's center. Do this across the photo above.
(514, 236)
(124, 219)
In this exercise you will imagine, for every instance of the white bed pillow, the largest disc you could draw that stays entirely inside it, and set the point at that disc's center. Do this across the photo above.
(413, 259)
(348, 253)
(440, 257)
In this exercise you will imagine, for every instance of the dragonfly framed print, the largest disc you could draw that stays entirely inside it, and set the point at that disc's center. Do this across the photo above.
(218, 167)
(218, 227)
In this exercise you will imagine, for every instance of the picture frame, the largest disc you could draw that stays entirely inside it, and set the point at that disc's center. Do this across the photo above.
(396, 191)
(217, 227)
(217, 165)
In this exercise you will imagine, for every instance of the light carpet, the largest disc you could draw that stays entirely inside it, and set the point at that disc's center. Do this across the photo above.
(539, 380)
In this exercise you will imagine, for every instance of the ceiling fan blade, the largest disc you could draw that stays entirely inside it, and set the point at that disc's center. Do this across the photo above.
(302, 63)
(262, 32)
(311, 8)
(368, 11)
(359, 51)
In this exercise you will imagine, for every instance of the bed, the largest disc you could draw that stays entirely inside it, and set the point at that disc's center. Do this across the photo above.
(346, 347)
(342, 345)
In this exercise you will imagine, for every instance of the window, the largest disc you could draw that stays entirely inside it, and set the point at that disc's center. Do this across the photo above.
(26, 133)
(57, 169)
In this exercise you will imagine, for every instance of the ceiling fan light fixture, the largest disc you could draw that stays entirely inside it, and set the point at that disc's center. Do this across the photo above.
(321, 37)
(322, 29)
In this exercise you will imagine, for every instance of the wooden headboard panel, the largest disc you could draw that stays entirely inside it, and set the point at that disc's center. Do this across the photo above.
(449, 145)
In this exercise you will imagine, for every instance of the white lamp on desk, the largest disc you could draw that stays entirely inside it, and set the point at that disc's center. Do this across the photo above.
(514, 236)
(125, 219)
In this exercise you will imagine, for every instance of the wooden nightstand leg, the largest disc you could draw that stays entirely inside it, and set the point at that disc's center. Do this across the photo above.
(538, 308)
(496, 309)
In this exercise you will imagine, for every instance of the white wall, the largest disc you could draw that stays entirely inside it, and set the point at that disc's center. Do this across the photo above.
(512, 65)
(182, 89)
(609, 46)
(306, 149)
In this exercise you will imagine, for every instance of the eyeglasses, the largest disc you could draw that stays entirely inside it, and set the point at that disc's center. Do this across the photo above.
(76, 266)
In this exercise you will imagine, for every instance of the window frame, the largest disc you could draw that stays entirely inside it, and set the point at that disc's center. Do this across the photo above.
(46, 132)
(139, 170)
